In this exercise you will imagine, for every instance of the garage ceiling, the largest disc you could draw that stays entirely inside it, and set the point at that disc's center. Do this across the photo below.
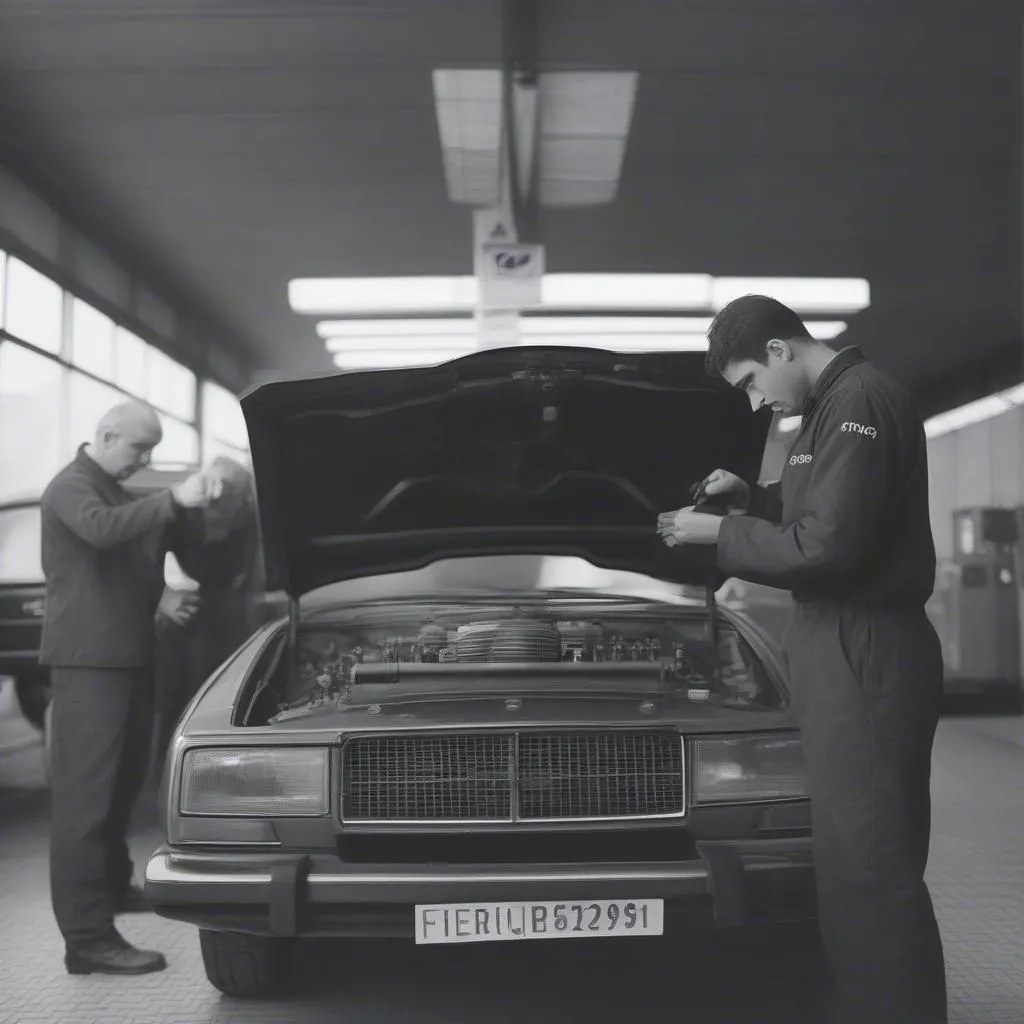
(235, 144)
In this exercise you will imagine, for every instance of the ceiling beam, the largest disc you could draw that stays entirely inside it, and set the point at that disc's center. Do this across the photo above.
(521, 109)
(78, 209)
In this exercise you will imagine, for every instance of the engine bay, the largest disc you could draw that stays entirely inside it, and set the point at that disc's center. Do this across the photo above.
(475, 651)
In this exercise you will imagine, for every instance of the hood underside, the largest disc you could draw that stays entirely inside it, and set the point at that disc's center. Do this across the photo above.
(519, 450)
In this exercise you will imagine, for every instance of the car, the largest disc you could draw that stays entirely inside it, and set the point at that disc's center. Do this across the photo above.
(22, 608)
(499, 707)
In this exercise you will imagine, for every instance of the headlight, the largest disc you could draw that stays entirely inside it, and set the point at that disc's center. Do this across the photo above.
(747, 768)
(283, 781)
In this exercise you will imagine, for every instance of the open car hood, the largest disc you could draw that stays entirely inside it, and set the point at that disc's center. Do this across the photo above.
(542, 450)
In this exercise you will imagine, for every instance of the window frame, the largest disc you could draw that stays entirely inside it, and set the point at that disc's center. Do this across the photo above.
(67, 364)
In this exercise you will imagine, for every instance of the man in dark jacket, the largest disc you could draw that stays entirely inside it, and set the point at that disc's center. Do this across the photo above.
(103, 557)
(848, 532)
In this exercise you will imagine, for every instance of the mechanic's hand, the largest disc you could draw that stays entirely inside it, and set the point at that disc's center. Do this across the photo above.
(723, 483)
(684, 526)
(178, 606)
(198, 490)
(214, 482)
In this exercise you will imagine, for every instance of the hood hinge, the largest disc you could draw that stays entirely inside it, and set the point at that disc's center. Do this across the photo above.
(293, 630)
(712, 623)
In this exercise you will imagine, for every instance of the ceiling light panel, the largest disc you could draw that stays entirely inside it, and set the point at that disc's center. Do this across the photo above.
(468, 105)
(584, 124)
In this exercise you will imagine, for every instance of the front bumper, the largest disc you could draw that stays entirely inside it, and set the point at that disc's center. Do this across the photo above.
(730, 884)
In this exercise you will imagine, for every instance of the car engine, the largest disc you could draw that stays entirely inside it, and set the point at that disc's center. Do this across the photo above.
(329, 664)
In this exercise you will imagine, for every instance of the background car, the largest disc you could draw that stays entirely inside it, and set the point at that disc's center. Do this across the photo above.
(499, 708)
(22, 607)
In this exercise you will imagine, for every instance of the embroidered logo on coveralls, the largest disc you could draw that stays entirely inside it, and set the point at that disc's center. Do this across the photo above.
(858, 428)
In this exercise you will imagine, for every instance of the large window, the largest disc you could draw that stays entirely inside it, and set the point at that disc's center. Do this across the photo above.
(34, 307)
(180, 444)
(169, 386)
(88, 400)
(92, 340)
(51, 403)
(224, 430)
(30, 411)
(131, 363)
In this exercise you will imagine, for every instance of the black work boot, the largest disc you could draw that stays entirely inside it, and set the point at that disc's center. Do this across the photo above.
(112, 954)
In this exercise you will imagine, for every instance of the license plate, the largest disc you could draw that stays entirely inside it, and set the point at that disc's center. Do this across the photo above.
(497, 922)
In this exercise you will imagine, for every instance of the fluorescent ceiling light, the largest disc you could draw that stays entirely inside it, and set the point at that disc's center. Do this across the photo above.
(396, 328)
(802, 294)
(381, 294)
(421, 296)
(375, 343)
(967, 415)
(529, 325)
(825, 330)
(384, 360)
(628, 291)
(789, 423)
(624, 342)
(975, 412)
(584, 123)
(584, 119)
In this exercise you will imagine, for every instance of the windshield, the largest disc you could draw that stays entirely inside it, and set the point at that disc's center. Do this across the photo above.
(20, 558)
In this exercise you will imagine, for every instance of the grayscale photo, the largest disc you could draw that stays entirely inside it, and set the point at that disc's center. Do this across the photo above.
(511, 511)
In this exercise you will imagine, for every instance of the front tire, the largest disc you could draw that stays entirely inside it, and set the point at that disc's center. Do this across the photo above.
(248, 966)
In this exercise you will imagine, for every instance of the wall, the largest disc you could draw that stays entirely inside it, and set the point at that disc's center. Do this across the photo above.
(979, 465)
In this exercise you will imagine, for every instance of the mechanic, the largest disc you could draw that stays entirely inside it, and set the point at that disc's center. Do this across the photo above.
(230, 572)
(227, 570)
(103, 558)
(847, 531)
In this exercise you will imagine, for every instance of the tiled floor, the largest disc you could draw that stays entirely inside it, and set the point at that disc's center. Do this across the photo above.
(976, 875)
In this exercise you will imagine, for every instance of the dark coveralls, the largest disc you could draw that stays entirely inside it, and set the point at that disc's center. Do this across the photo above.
(850, 536)
(103, 557)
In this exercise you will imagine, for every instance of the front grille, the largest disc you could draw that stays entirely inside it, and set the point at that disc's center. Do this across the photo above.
(437, 778)
(512, 777)
(600, 775)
